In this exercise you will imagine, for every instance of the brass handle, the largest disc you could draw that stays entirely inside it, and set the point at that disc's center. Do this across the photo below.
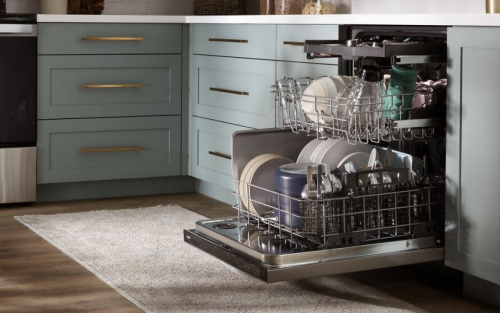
(123, 149)
(234, 92)
(220, 155)
(113, 86)
(113, 38)
(293, 43)
(228, 40)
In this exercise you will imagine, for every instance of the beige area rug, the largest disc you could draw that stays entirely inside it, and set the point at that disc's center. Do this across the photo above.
(141, 253)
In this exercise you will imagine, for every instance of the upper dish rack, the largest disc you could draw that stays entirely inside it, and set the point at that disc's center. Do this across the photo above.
(364, 121)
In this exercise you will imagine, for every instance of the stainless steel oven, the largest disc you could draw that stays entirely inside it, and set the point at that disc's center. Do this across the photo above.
(18, 108)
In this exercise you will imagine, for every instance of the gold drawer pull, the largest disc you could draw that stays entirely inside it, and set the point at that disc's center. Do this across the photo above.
(113, 38)
(228, 40)
(113, 86)
(293, 43)
(123, 149)
(220, 155)
(240, 93)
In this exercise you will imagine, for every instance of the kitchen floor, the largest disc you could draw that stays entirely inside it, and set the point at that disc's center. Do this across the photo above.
(37, 277)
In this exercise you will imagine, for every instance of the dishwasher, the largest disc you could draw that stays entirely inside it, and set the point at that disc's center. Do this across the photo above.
(365, 225)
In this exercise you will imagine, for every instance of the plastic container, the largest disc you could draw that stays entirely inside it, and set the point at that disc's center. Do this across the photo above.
(288, 7)
(314, 7)
(267, 7)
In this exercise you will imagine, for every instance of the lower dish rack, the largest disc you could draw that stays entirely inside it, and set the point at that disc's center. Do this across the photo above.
(364, 214)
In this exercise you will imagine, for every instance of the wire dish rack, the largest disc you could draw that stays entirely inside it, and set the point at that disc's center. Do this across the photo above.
(362, 120)
(361, 214)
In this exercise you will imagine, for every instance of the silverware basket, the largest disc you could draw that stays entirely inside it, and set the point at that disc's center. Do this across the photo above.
(362, 214)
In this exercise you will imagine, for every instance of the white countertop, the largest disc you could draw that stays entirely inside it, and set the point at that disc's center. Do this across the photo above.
(335, 19)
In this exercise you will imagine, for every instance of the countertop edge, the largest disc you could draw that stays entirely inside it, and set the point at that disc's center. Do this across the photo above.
(486, 20)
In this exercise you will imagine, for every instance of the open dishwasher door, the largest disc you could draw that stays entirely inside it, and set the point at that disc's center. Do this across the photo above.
(343, 239)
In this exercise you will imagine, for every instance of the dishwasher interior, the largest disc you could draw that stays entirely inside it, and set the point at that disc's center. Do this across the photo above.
(380, 216)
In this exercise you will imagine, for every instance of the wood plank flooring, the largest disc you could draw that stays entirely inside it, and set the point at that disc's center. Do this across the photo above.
(37, 277)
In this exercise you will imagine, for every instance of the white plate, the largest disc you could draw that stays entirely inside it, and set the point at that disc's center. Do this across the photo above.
(322, 151)
(322, 88)
(340, 150)
(263, 177)
(242, 188)
(307, 152)
(359, 159)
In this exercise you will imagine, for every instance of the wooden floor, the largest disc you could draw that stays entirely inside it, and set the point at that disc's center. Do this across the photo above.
(37, 277)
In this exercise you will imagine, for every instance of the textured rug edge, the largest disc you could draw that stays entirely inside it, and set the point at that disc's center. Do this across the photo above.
(81, 262)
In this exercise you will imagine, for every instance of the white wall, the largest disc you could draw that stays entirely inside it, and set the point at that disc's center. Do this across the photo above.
(418, 6)
(185, 7)
(149, 7)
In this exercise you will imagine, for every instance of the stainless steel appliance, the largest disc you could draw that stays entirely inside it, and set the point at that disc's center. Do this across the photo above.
(18, 105)
(367, 226)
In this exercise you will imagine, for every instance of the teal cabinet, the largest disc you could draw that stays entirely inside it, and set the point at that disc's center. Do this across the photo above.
(233, 90)
(108, 86)
(294, 69)
(290, 40)
(79, 150)
(98, 38)
(211, 151)
(473, 152)
(243, 41)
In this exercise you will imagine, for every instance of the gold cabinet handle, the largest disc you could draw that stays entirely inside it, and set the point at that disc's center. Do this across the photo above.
(220, 155)
(113, 38)
(234, 92)
(228, 40)
(293, 43)
(122, 149)
(113, 86)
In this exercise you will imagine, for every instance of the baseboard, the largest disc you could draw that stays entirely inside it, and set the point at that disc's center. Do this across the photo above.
(214, 191)
(115, 188)
(482, 290)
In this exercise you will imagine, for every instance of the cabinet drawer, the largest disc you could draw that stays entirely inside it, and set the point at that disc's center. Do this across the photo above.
(80, 86)
(246, 41)
(294, 70)
(211, 151)
(236, 91)
(105, 149)
(290, 41)
(88, 38)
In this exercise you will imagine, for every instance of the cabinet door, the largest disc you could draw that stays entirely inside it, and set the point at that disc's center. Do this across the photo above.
(235, 91)
(292, 69)
(473, 152)
(85, 86)
(78, 150)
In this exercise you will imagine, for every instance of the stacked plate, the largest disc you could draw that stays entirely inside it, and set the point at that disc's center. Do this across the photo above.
(334, 152)
(317, 98)
(256, 180)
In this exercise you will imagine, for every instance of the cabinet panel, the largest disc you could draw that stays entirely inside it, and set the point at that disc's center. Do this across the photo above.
(473, 152)
(291, 37)
(104, 149)
(211, 151)
(235, 91)
(79, 86)
(244, 41)
(97, 38)
(291, 69)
